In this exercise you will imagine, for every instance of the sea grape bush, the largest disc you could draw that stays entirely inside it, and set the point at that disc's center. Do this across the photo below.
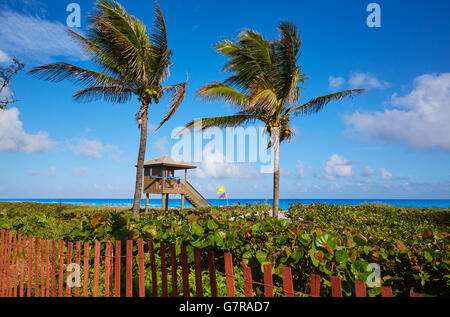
(411, 246)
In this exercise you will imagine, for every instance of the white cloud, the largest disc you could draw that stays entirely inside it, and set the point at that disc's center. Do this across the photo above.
(13, 137)
(3, 57)
(336, 167)
(92, 148)
(161, 144)
(367, 171)
(385, 174)
(51, 172)
(31, 37)
(300, 168)
(366, 81)
(214, 165)
(421, 118)
(335, 82)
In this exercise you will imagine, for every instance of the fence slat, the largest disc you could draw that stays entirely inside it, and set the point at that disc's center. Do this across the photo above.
(415, 294)
(117, 269)
(61, 268)
(212, 273)
(185, 271)
(315, 285)
(336, 289)
(198, 272)
(108, 267)
(360, 289)
(229, 274)
(86, 270)
(288, 285)
(151, 252)
(96, 269)
(13, 291)
(30, 266)
(69, 260)
(141, 268)
(173, 262)
(248, 282)
(53, 268)
(47, 268)
(8, 263)
(78, 262)
(268, 281)
(2, 248)
(129, 269)
(42, 262)
(386, 291)
(22, 266)
(37, 264)
(162, 254)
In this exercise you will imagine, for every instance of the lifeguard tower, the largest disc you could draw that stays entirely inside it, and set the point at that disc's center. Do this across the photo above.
(159, 178)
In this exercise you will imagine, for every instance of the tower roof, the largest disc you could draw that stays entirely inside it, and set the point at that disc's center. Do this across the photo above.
(169, 161)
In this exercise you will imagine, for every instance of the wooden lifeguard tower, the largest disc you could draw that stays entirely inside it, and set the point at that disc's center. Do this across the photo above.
(159, 178)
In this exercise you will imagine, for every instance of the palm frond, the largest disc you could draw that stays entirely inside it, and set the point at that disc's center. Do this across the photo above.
(217, 91)
(178, 92)
(316, 104)
(112, 94)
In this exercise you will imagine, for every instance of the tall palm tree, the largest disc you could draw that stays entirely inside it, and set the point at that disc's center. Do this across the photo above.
(130, 61)
(264, 86)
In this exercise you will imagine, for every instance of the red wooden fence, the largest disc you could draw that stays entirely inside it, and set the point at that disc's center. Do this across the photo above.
(29, 265)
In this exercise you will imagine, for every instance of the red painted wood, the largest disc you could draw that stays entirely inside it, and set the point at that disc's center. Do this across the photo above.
(86, 269)
(229, 274)
(336, 289)
(61, 268)
(315, 285)
(42, 267)
(141, 268)
(2, 257)
(15, 256)
(47, 268)
(8, 265)
(37, 264)
(162, 254)
(268, 281)
(288, 285)
(360, 289)
(173, 262)
(415, 294)
(248, 282)
(151, 252)
(78, 262)
(22, 266)
(117, 269)
(386, 291)
(96, 269)
(69, 260)
(30, 263)
(198, 272)
(108, 269)
(212, 273)
(185, 271)
(129, 269)
(53, 268)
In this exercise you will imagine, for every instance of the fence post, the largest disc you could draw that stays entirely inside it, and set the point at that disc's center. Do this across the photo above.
(2, 247)
(86, 270)
(22, 265)
(129, 269)
(53, 268)
(173, 260)
(229, 274)
(360, 289)
(78, 262)
(15, 256)
(61, 268)
(287, 282)
(268, 281)
(336, 289)
(212, 273)
(47, 268)
(69, 260)
(162, 255)
(117, 269)
(151, 252)
(198, 272)
(108, 267)
(96, 269)
(7, 285)
(386, 291)
(248, 282)
(30, 262)
(141, 268)
(185, 271)
(43, 262)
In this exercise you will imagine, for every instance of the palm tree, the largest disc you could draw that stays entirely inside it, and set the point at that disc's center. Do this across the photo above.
(264, 86)
(130, 61)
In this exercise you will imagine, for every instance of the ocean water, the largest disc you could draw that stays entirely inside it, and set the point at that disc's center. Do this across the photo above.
(284, 203)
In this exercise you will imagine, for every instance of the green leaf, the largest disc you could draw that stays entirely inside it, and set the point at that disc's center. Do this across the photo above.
(341, 256)
(326, 241)
(197, 229)
(261, 256)
(219, 236)
(359, 239)
(212, 225)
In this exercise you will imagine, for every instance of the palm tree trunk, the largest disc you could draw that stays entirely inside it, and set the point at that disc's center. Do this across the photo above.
(140, 164)
(276, 170)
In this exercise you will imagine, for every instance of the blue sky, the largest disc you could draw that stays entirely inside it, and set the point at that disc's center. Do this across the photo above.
(392, 142)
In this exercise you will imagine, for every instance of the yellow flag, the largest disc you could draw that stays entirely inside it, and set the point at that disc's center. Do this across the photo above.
(221, 190)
